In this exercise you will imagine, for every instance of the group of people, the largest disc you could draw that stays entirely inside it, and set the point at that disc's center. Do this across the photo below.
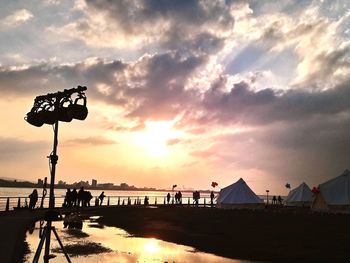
(178, 198)
(80, 198)
(277, 200)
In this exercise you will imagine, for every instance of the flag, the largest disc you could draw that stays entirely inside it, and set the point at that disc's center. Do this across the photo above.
(315, 190)
(288, 185)
(213, 184)
(174, 185)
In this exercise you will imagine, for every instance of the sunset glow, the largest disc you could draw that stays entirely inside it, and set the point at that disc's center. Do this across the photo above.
(155, 138)
(180, 92)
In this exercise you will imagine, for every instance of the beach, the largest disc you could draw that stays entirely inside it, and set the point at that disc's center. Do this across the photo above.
(267, 235)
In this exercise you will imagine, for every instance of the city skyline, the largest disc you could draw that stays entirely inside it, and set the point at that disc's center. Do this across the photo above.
(180, 92)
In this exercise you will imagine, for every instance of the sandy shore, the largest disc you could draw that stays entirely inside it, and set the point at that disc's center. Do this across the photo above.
(272, 236)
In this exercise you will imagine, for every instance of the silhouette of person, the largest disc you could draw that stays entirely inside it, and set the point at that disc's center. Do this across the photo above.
(146, 200)
(274, 200)
(212, 198)
(87, 198)
(101, 197)
(180, 197)
(168, 198)
(81, 196)
(74, 197)
(176, 197)
(280, 200)
(33, 198)
(68, 198)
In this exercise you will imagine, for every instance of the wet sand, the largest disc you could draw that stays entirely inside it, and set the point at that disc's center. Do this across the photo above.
(273, 236)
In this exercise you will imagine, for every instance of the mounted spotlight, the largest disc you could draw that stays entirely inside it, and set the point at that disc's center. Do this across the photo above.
(79, 111)
(48, 114)
(64, 113)
(34, 117)
(58, 106)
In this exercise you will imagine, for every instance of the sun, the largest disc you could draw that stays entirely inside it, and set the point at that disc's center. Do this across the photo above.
(155, 137)
(151, 246)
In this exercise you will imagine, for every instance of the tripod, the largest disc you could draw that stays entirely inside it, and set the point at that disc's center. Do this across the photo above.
(51, 215)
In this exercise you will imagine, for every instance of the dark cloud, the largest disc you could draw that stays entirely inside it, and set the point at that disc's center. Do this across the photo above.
(187, 25)
(150, 88)
(242, 104)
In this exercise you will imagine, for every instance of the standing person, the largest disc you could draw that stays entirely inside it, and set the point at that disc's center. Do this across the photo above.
(74, 197)
(68, 199)
(146, 202)
(168, 198)
(212, 198)
(33, 198)
(80, 196)
(101, 197)
(280, 200)
(274, 200)
(180, 197)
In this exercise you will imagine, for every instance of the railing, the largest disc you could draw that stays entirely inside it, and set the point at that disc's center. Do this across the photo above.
(18, 202)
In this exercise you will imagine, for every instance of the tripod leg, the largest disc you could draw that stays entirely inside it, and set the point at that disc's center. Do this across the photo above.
(40, 246)
(61, 245)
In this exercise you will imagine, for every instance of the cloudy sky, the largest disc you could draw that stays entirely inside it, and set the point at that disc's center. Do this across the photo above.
(180, 92)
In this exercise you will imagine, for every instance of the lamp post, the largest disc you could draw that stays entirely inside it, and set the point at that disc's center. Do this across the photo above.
(50, 109)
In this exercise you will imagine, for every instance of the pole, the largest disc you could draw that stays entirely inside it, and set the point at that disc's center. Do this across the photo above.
(53, 160)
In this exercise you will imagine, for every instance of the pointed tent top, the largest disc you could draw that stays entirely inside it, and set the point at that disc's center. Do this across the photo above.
(336, 191)
(238, 193)
(300, 194)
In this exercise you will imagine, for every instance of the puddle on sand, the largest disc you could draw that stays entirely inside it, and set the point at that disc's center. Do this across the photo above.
(111, 244)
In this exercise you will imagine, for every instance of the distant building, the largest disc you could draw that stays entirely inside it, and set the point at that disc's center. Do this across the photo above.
(94, 183)
(106, 185)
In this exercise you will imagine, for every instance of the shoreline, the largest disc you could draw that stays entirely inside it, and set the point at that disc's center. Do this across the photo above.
(267, 235)
(272, 236)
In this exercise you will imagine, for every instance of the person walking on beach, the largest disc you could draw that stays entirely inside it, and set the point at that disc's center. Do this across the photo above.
(33, 198)
(101, 197)
(168, 198)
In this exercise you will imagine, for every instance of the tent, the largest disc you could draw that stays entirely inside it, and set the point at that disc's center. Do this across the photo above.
(334, 195)
(239, 195)
(300, 196)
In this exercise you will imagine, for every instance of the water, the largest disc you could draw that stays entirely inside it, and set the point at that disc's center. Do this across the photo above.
(123, 247)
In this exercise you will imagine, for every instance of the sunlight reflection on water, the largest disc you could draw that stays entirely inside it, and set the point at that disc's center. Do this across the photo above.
(124, 248)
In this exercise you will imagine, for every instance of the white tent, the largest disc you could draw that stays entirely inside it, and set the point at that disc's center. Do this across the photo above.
(239, 195)
(334, 194)
(300, 196)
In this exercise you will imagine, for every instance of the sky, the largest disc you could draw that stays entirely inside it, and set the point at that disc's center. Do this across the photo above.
(180, 92)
